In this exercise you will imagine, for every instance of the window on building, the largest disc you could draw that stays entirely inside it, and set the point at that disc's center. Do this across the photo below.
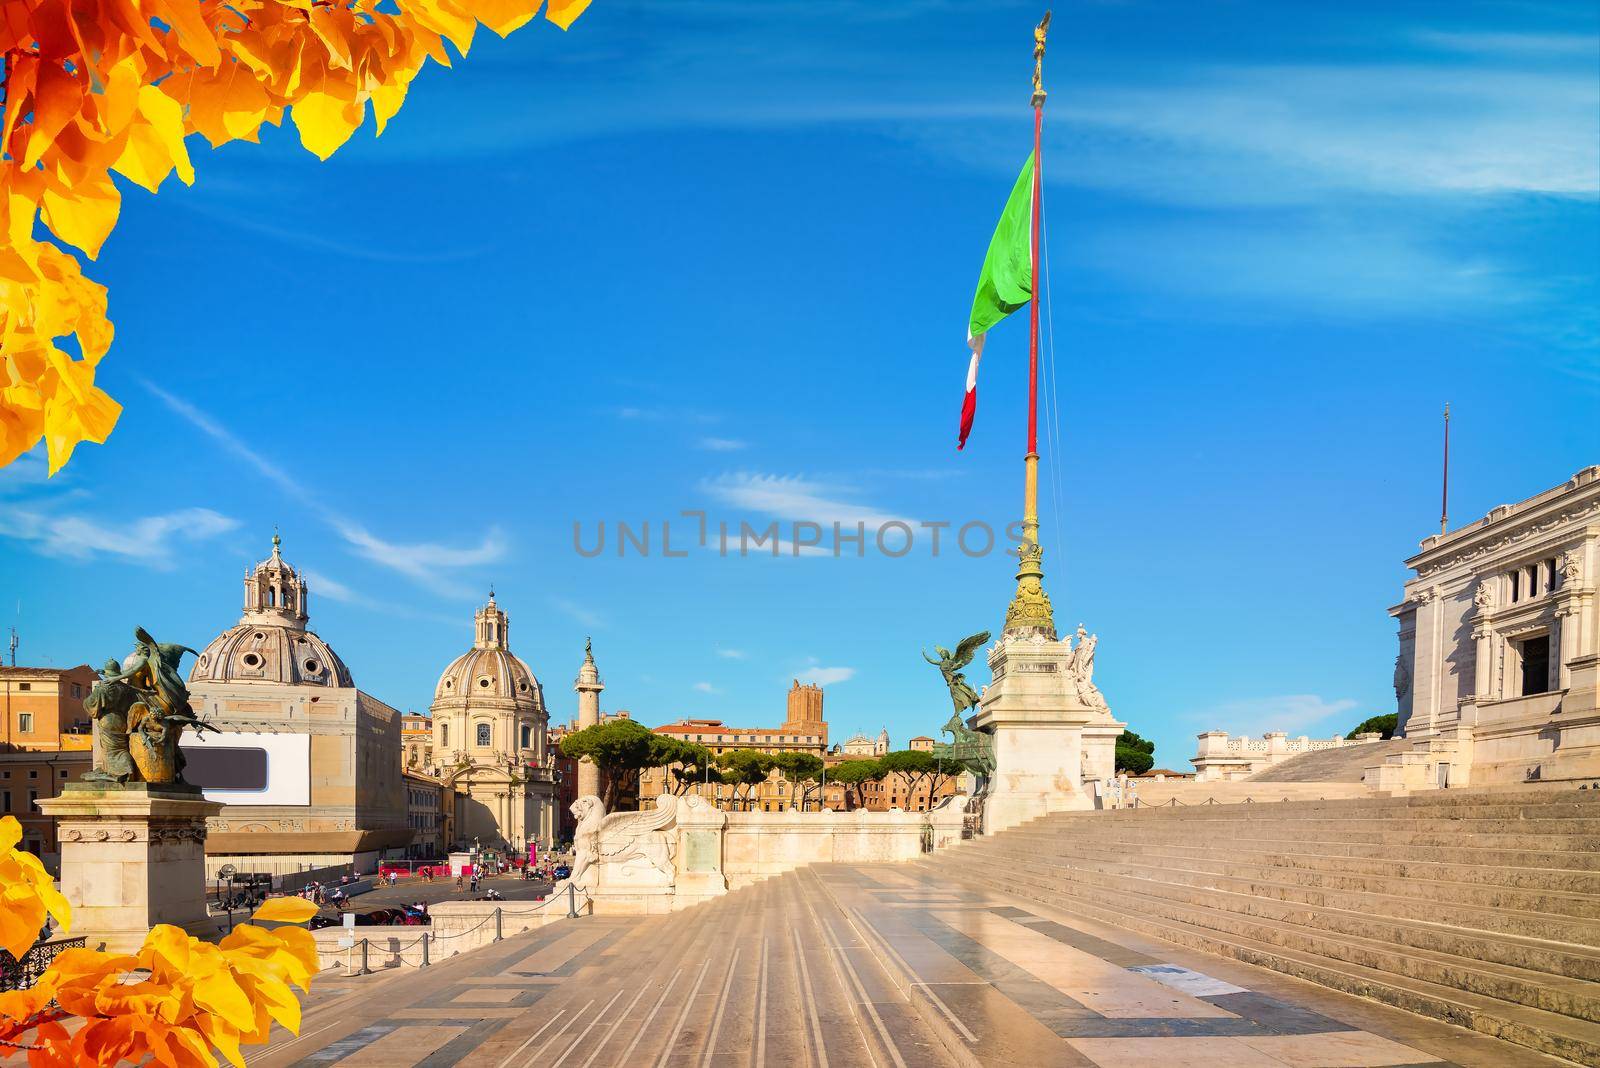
(33, 795)
(1516, 586)
(33, 773)
(1535, 665)
(6, 799)
(483, 734)
(527, 736)
(25, 722)
(24, 685)
(1550, 574)
(444, 734)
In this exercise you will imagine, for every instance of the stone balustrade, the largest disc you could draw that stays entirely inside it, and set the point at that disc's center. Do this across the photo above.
(457, 927)
(685, 852)
(1222, 757)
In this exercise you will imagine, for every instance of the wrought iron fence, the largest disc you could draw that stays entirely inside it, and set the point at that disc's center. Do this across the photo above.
(20, 974)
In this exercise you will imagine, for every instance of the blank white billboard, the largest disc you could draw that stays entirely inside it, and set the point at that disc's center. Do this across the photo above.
(249, 768)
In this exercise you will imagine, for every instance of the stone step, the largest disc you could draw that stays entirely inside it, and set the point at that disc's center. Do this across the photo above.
(1266, 868)
(1583, 846)
(1575, 1039)
(1351, 846)
(1579, 907)
(1581, 836)
(1517, 804)
(1243, 912)
(1535, 816)
(1559, 994)
(1560, 880)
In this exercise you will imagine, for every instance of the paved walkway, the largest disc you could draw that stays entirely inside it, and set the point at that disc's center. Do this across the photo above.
(837, 966)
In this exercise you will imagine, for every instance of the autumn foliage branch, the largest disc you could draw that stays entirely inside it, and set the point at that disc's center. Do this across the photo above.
(178, 1001)
(96, 87)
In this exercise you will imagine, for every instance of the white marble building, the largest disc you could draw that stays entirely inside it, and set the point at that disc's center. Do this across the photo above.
(1500, 646)
(489, 741)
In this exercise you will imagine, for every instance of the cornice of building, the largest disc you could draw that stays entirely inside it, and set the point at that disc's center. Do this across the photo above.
(1576, 499)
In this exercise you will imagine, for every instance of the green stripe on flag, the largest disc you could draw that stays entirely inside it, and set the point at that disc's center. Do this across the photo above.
(1006, 282)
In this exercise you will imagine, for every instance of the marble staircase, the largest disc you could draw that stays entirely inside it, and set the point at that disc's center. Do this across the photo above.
(773, 973)
(1480, 907)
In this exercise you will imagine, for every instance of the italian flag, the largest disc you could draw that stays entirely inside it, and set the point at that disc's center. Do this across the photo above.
(1005, 283)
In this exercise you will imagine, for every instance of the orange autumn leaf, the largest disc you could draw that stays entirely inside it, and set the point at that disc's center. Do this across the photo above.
(94, 87)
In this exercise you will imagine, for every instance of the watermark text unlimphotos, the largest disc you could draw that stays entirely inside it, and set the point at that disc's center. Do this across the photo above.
(694, 530)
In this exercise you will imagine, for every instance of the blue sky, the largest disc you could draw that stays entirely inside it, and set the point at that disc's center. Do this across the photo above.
(717, 256)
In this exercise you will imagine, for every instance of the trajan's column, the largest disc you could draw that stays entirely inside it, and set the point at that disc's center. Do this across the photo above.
(588, 685)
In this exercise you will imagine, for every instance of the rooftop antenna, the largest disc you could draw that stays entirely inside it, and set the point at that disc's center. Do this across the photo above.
(14, 643)
(1444, 499)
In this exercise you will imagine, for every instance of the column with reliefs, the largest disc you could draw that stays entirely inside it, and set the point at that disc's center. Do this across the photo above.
(588, 686)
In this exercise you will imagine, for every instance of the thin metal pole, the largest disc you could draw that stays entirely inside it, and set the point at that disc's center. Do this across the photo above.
(498, 931)
(1444, 499)
(425, 949)
(572, 901)
(364, 968)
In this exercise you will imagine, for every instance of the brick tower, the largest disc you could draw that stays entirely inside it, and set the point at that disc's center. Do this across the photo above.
(804, 714)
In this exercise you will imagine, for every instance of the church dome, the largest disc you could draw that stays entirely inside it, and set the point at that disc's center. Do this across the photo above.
(489, 671)
(270, 643)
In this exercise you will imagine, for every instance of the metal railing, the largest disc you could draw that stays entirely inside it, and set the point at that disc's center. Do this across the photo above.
(20, 974)
(427, 941)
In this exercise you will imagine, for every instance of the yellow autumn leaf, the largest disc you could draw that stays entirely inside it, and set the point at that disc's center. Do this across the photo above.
(85, 215)
(155, 142)
(565, 12)
(325, 122)
(285, 910)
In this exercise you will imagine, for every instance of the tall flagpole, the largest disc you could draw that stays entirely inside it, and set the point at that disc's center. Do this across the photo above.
(1030, 613)
(1444, 496)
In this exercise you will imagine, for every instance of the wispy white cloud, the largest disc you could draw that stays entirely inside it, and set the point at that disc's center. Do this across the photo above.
(1275, 135)
(637, 414)
(732, 654)
(722, 444)
(581, 613)
(25, 473)
(1290, 713)
(795, 497)
(815, 672)
(323, 586)
(149, 540)
(1509, 44)
(706, 687)
(429, 564)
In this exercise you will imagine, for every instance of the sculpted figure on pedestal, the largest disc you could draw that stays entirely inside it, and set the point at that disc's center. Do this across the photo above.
(139, 708)
(1082, 667)
(973, 749)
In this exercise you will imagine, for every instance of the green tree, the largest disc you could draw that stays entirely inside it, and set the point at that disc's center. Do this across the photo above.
(1385, 725)
(620, 749)
(852, 773)
(691, 765)
(919, 766)
(748, 768)
(1135, 755)
(803, 772)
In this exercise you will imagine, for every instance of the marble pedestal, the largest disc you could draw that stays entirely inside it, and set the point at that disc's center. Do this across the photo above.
(132, 857)
(1033, 710)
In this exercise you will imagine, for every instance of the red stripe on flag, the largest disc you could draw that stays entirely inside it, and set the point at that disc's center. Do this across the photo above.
(969, 408)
